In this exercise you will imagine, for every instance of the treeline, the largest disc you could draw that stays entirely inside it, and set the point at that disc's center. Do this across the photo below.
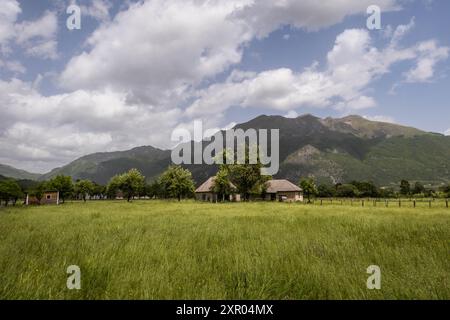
(362, 189)
(177, 183)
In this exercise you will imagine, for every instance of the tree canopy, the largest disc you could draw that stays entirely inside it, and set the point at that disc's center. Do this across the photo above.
(131, 183)
(177, 182)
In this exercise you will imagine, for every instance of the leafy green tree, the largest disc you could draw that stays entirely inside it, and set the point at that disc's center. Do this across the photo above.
(419, 188)
(63, 184)
(446, 190)
(246, 176)
(366, 189)
(326, 191)
(113, 186)
(10, 191)
(38, 191)
(347, 191)
(153, 190)
(99, 191)
(132, 184)
(405, 188)
(84, 188)
(387, 193)
(177, 182)
(222, 183)
(309, 188)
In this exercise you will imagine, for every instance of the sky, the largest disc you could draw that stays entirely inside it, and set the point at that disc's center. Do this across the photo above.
(137, 70)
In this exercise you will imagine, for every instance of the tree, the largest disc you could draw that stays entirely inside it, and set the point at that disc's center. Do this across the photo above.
(222, 183)
(83, 188)
(366, 189)
(326, 191)
(10, 191)
(153, 190)
(132, 184)
(177, 182)
(38, 191)
(387, 192)
(405, 188)
(63, 184)
(419, 188)
(446, 191)
(347, 191)
(113, 186)
(309, 188)
(246, 176)
(99, 191)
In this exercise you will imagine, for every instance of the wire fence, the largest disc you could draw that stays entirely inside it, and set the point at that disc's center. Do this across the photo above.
(386, 203)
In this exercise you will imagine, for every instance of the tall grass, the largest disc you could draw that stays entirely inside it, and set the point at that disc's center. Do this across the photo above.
(188, 250)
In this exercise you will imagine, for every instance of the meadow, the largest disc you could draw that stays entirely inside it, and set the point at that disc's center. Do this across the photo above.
(190, 250)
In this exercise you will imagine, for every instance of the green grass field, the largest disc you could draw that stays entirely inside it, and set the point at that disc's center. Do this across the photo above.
(188, 250)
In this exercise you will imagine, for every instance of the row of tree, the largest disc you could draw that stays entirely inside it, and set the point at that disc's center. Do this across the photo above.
(177, 182)
(359, 189)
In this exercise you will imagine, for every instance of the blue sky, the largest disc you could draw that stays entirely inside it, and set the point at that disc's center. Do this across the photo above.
(136, 71)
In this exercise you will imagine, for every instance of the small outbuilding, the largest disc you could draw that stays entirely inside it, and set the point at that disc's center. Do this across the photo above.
(49, 197)
(206, 192)
(283, 190)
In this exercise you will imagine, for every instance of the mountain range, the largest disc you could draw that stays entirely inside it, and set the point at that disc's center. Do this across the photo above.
(330, 150)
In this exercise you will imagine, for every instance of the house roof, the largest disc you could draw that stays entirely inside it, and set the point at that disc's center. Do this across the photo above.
(208, 185)
(274, 186)
(45, 191)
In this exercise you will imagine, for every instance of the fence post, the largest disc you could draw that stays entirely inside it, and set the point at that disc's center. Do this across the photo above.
(446, 203)
(414, 203)
(399, 203)
(430, 203)
(321, 201)
(363, 203)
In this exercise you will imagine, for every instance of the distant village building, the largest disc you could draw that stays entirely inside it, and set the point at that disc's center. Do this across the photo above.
(206, 192)
(277, 190)
(49, 197)
(283, 190)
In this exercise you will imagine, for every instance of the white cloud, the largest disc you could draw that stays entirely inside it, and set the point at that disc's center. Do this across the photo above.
(157, 50)
(13, 66)
(160, 50)
(40, 132)
(97, 9)
(447, 133)
(402, 30)
(291, 114)
(430, 54)
(381, 118)
(37, 37)
(352, 65)
(264, 16)
(9, 10)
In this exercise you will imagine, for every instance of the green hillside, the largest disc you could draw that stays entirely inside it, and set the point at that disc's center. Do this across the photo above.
(11, 172)
(100, 167)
